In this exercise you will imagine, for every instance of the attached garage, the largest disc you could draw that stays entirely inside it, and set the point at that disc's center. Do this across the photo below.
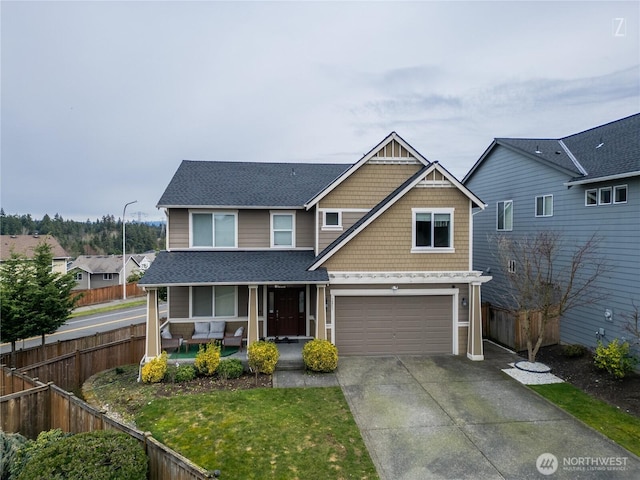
(394, 324)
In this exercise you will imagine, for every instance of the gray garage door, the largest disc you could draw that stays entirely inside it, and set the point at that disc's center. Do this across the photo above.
(393, 325)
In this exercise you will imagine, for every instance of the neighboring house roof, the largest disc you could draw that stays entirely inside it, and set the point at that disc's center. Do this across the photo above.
(392, 138)
(607, 151)
(24, 245)
(232, 267)
(98, 264)
(385, 204)
(246, 184)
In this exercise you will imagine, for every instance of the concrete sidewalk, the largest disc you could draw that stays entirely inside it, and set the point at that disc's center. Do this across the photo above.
(447, 417)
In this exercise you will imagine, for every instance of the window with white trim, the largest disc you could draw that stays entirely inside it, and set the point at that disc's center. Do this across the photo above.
(432, 230)
(214, 229)
(332, 220)
(78, 277)
(504, 220)
(283, 230)
(544, 206)
(218, 301)
(620, 194)
(604, 197)
(107, 276)
(511, 266)
(591, 197)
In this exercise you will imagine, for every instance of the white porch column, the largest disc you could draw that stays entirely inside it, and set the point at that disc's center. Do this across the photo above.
(474, 342)
(321, 312)
(152, 347)
(252, 327)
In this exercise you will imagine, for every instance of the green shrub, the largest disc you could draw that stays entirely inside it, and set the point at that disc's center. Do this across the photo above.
(263, 357)
(31, 447)
(320, 355)
(154, 370)
(185, 373)
(230, 368)
(101, 454)
(10, 444)
(207, 359)
(574, 351)
(615, 358)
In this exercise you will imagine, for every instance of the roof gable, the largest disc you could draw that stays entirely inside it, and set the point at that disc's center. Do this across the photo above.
(98, 264)
(246, 184)
(425, 175)
(605, 151)
(393, 149)
(25, 244)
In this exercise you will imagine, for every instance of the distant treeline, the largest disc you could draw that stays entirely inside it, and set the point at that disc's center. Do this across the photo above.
(100, 237)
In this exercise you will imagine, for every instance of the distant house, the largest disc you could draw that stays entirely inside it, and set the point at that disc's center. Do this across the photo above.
(25, 244)
(374, 256)
(96, 271)
(577, 185)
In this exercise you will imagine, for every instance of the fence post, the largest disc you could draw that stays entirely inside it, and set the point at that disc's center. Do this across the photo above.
(77, 367)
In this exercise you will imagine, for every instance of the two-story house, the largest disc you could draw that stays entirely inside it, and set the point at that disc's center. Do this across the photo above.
(583, 184)
(25, 244)
(375, 256)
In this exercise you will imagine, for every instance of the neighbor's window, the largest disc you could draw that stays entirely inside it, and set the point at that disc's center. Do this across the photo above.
(107, 276)
(544, 206)
(217, 301)
(213, 230)
(620, 194)
(511, 266)
(78, 277)
(605, 196)
(505, 215)
(332, 220)
(432, 230)
(283, 230)
(591, 197)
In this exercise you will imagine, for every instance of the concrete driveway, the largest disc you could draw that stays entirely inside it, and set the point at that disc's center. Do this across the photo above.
(446, 417)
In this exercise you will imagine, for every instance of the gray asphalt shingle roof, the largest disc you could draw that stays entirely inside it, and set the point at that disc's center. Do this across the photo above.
(232, 267)
(247, 184)
(603, 151)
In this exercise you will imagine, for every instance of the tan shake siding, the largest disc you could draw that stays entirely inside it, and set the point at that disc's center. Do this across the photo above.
(178, 302)
(304, 228)
(385, 245)
(327, 236)
(253, 229)
(178, 228)
(368, 185)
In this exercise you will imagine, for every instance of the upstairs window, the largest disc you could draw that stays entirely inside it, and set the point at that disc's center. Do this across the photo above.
(432, 230)
(332, 220)
(620, 194)
(505, 216)
(216, 230)
(605, 196)
(544, 206)
(591, 197)
(283, 233)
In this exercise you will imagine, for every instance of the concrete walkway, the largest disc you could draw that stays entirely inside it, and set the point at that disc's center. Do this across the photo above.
(446, 417)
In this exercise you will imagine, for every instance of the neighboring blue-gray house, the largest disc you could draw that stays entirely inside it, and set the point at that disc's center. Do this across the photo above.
(578, 185)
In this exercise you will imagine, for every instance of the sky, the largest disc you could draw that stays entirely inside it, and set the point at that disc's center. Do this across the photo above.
(101, 101)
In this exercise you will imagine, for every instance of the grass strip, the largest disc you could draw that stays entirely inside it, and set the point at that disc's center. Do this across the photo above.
(92, 311)
(622, 428)
(263, 433)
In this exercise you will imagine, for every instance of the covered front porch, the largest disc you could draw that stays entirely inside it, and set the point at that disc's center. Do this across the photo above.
(267, 294)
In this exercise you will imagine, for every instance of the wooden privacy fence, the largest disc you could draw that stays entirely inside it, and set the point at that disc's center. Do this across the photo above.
(29, 407)
(107, 294)
(504, 327)
(33, 355)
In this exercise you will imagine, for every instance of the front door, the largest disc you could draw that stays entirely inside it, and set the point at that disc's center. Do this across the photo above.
(286, 312)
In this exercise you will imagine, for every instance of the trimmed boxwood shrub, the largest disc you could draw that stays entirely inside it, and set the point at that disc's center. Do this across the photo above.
(102, 454)
(31, 447)
(207, 359)
(230, 368)
(263, 357)
(320, 355)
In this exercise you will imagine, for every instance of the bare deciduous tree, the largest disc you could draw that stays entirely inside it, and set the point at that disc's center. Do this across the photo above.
(548, 277)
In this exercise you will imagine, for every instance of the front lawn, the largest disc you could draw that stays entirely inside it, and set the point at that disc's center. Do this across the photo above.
(263, 433)
(622, 428)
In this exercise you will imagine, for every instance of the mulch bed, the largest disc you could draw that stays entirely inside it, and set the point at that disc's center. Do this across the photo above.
(208, 384)
(581, 373)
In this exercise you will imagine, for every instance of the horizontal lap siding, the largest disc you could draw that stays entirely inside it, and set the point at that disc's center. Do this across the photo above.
(393, 325)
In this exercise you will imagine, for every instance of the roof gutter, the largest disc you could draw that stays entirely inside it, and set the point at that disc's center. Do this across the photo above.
(602, 179)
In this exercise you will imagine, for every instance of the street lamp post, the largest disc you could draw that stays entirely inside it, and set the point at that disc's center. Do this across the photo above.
(124, 252)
